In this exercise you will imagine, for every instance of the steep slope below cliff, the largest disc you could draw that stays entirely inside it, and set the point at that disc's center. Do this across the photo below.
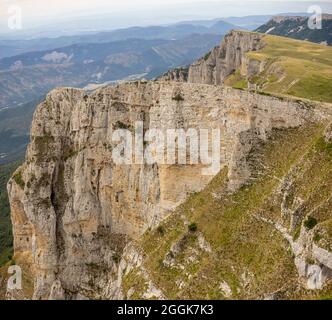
(256, 243)
(84, 225)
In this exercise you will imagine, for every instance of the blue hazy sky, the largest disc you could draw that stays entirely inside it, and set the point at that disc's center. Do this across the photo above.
(124, 13)
(38, 8)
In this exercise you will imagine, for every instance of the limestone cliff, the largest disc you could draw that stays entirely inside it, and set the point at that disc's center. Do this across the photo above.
(76, 213)
(221, 61)
(178, 75)
(224, 60)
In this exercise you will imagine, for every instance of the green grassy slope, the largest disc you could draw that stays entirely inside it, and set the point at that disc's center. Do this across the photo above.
(6, 237)
(249, 255)
(291, 67)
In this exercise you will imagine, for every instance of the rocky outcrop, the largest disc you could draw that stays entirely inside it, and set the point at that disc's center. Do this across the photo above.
(178, 75)
(314, 264)
(75, 211)
(224, 60)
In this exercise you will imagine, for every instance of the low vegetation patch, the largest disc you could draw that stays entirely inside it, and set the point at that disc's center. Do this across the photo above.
(310, 223)
(6, 236)
(193, 227)
(161, 230)
(18, 178)
(178, 97)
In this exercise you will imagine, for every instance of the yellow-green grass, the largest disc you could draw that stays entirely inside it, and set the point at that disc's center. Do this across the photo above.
(134, 281)
(242, 245)
(293, 67)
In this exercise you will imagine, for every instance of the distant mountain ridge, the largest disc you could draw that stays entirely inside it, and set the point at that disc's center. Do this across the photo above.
(28, 76)
(172, 32)
(10, 47)
(297, 27)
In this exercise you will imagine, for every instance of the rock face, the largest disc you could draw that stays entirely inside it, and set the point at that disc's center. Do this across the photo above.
(75, 211)
(222, 61)
(178, 75)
